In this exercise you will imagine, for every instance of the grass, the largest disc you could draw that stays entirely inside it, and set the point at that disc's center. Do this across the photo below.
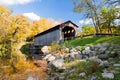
(95, 40)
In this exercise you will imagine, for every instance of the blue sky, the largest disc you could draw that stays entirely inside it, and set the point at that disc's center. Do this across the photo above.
(55, 9)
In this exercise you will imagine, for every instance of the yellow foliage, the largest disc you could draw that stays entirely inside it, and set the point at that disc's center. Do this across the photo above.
(22, 65)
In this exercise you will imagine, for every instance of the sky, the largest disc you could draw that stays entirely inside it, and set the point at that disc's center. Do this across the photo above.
(55, 9)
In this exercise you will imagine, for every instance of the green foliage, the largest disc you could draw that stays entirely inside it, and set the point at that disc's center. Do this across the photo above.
(56, 46)
(108, 17)
(1, 50)
(87, 30)
(92, 67)
(89, 67)
(73, 76)
(81, 66)
(25, 48)
(117, 76)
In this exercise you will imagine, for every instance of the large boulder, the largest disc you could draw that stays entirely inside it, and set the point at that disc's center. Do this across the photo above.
(49, 57)
(45, 50)
(105, 64)
(116, 65)
(108, 75)
(58, 63)
(67, 50)
(73, 50)
(103, 56)
(82, 74)
(102, 50)
(113, 54)
(86, 51)
(95, 59)
(75, 55)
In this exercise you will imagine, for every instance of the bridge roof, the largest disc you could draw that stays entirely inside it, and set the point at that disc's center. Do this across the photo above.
(55, 27)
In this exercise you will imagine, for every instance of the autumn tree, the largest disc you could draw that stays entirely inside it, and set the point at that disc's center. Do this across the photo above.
(13, 29)
(41, 25)
(5, 22)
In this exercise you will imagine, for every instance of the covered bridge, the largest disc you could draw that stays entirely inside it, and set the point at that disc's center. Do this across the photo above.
(64, 31)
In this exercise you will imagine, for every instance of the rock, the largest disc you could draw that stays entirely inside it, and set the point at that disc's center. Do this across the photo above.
(62, 78)
(107, 51)
(113, 54)
(49, 57)
(67, 50)
(103, 56)
(71, 70)
(79, 52)
(116, 65)
(98, 46)
(92, 77)
(58, 63)
(72, 54)
(85, 56)
(87, 48)
(108, 75)
(78, 48)
(105, 45)
(73, 50)
(45, 50)
(102, 50)
(105, 71)
(95, 59)
(78, 56)
(75, 55)
(86, 51)
(82, 74)
(105, 64)
(92, 53)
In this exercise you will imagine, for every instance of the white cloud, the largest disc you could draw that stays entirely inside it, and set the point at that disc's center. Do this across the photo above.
(117, 21)
(12, 2)
(81, 21)
(86, 21)
(32, 16)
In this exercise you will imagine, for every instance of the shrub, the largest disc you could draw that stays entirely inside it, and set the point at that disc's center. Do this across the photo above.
(55, 46)
(92, 67)
(57, 49)
(81, 66)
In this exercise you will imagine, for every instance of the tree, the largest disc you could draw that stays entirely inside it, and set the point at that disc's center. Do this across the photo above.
(41, 25)
(5, 22)
(87, 30)
(108, 17)
(91, 9)
(113, 2)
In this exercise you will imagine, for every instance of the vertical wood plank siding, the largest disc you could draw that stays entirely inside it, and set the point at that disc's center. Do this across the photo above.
(47, 38)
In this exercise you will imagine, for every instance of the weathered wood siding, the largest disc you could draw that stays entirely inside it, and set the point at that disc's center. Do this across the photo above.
(48, 38)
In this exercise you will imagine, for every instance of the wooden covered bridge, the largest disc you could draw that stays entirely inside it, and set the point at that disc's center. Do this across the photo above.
(61, 32)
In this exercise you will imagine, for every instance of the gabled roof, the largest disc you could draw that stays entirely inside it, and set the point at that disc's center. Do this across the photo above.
(55, 27)
(70, 22)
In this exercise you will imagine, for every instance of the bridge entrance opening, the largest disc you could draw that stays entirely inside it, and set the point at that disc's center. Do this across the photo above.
(68, 33)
